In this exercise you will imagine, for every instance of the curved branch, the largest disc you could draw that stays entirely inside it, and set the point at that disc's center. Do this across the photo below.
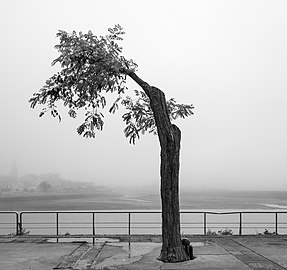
(144, 85)
(159, 108)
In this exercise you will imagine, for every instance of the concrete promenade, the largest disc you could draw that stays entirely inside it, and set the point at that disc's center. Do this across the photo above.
(224, 252)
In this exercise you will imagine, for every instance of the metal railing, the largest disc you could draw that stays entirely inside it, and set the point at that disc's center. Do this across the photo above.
(7, 223)
(241, 224)
(92, 224)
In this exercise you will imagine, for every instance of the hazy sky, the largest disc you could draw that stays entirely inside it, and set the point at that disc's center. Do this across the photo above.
(228, 58)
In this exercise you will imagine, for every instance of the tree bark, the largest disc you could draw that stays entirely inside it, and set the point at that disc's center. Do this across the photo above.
(169, 138)
(172, 249)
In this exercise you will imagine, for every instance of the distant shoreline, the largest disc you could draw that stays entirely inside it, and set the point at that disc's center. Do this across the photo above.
(144, 201)
(276, 206)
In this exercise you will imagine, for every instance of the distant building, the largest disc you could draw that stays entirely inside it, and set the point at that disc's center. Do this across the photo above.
(5, 184)
(10, 183)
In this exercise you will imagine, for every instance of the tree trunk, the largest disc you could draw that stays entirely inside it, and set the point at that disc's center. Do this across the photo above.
(169, 138)
(172, 249)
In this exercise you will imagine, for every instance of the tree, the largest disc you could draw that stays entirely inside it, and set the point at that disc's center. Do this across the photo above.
(44, 187)
(92, 66)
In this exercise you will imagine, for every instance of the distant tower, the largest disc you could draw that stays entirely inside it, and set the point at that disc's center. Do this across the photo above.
(14, 178)
(14, 173)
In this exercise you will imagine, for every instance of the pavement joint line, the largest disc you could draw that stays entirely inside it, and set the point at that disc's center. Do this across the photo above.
(69, 256)
(258, 254)
(84, 253)
(95, 260)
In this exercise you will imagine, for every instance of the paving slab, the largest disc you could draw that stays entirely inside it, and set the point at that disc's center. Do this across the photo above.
(227, 253)
(88, 257)
(255, 260)
(33, 256)
(147, 262)
(272, 248)
(7, 240)
(70, 261)
(208, 248)
(209, 262)
(122, 254)
(143, 256)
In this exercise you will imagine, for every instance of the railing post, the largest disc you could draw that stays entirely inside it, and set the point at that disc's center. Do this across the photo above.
(57, 226)
(129, 229)
(20, 224)
(276, 223)
(240, 223)
(17, 224)
(94, 231)
(204, 223)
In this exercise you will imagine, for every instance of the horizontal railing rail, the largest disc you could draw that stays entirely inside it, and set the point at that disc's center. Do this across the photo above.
(9, 223)
(58, 223)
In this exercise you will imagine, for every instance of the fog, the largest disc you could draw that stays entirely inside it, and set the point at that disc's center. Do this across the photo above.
(227, 58)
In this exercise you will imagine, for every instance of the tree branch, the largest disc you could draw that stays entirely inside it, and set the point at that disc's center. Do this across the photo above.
(144, 85)
(159, 108)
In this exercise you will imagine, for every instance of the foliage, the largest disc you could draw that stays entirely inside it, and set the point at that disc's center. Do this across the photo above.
(225, 232)
(139, 116)
(209, 232)
(267, 232)
(44, 187)
(22, 232)
(220, 232)
(92, 66)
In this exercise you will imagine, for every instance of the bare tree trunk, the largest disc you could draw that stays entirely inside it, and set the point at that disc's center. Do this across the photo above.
(172, 249)
(169, 138)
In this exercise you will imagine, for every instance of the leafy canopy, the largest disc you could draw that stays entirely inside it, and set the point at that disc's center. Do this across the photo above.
(92, 66)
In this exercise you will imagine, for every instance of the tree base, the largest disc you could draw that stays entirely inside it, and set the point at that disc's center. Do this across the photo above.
(173, 255)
